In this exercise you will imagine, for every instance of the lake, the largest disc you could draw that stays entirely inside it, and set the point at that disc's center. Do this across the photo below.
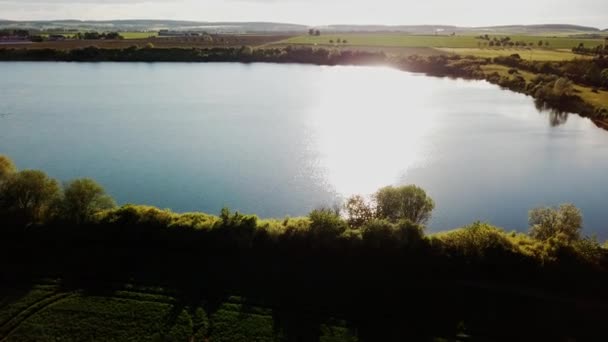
(280, 140)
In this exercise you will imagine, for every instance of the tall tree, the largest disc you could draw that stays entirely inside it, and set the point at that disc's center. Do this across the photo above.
(28, 197)
(358, 211)
(407, 202)
(83, 198)
(565, 221)
(6, 167)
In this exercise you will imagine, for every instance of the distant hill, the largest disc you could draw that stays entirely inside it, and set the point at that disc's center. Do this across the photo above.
(431, 29)
(154, 25)
(270, 27)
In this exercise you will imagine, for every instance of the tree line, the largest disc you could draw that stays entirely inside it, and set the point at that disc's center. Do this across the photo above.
(245, 54)
(371, 264)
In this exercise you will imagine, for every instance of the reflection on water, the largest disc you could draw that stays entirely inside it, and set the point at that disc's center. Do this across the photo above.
(556, 117)
(283, 139)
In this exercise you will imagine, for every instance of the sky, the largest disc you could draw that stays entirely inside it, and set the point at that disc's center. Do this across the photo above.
(321, 12)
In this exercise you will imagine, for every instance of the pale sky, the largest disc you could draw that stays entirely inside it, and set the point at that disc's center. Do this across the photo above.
(320, 12)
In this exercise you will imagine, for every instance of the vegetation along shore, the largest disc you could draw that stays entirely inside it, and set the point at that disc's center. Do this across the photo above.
(191, 276)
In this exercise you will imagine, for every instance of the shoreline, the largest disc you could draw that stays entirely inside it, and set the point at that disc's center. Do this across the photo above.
(509, 73)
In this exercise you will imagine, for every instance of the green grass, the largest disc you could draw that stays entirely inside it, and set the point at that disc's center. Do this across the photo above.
(235, 323)
(527, 54)
(14, 303)
(138, 35)
(46, 314)
(598, 99)
(404, 40)
(101, 318)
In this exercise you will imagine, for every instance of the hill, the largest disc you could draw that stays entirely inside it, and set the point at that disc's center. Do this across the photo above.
(154, 25)
(253, 27)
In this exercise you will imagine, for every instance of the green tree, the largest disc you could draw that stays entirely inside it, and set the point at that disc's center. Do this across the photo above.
(326, 222)
(7, 167)
(358, 211)
(28, 197)
(546, 223)
(83, 198)
(407, 202)
(604, 77)
(563, 87)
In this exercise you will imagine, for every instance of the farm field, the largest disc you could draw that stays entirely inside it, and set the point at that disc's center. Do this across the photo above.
(40, 314)
(403, 40)
(138, 35)
(159, 42)
(525, 53)
(126, 35)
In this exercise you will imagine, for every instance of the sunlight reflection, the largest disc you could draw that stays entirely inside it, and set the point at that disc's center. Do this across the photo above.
(368, 128)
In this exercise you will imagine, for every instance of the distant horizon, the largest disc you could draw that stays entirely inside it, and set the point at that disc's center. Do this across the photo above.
(464, 13)
(304, 24)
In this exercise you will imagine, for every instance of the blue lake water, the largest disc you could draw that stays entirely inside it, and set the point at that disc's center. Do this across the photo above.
(280, 140)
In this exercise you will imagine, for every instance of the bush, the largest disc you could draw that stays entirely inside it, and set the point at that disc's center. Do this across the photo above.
(477, 241)
(604, 77)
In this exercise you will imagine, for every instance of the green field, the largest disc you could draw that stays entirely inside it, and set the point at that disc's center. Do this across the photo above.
(47, 313)
(138, 35)
(525, 53)
(442, 41)
(126, 35)
(598, 98)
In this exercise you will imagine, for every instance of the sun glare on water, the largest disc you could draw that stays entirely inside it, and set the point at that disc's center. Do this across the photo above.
(368, 129)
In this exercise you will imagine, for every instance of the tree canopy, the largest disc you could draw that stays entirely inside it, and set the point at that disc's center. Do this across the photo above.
(6, 167)
(28, 196)
(407, 202)
(84, 197)
(566, 221)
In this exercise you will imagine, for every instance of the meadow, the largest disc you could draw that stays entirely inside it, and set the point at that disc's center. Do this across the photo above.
(131, 312)
(531, 54)
(438, 41)
(138, 35)
(558, 48)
